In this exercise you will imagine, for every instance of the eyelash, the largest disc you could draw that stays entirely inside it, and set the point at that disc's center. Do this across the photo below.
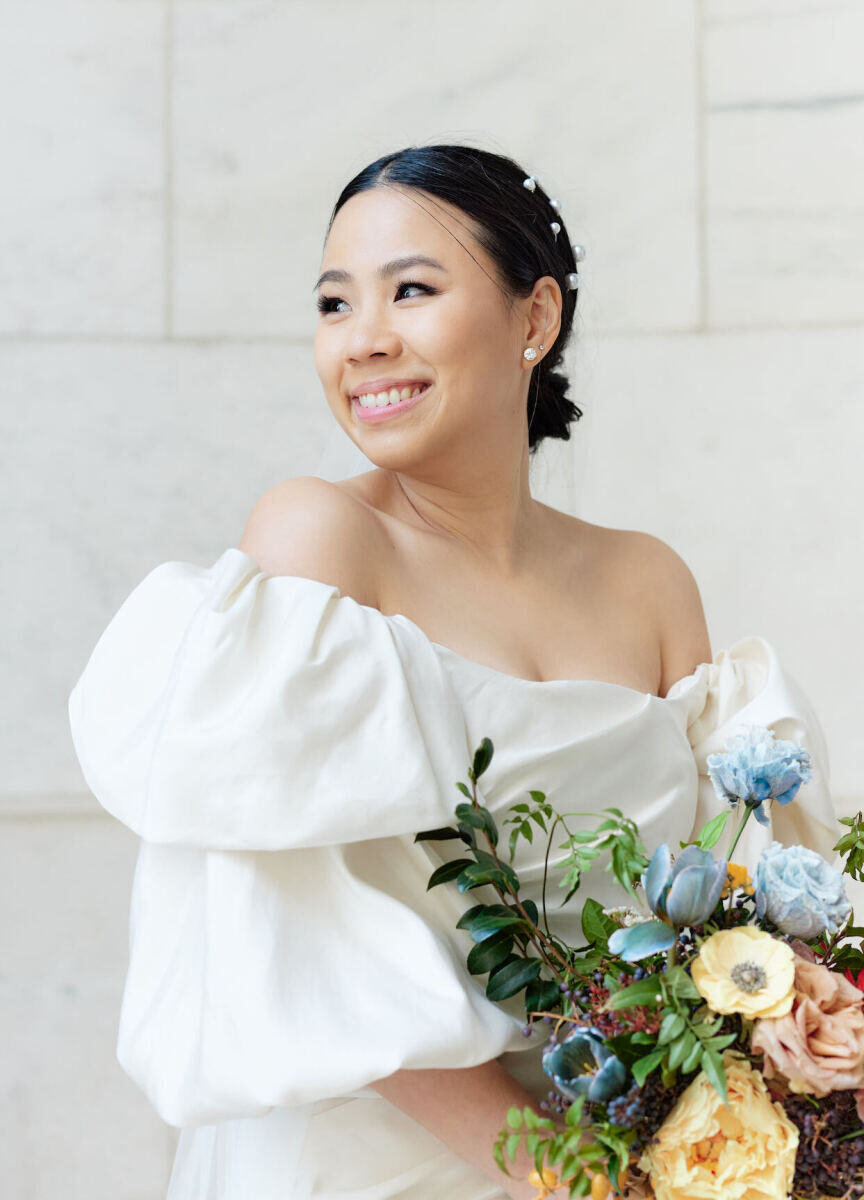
(326, 303)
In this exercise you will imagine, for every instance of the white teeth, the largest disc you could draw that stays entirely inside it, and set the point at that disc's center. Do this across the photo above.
(394, 396)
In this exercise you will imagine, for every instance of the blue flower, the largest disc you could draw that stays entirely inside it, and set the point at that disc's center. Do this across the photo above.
(582, 1066)
(799, 891)
(756, 768)
(679, 894)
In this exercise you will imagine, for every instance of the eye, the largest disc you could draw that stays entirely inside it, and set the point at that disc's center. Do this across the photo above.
(328, 304)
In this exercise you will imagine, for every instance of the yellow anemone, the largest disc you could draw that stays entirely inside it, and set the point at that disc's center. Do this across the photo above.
(746, 971)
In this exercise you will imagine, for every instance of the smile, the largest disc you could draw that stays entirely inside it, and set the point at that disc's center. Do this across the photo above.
(377, 406)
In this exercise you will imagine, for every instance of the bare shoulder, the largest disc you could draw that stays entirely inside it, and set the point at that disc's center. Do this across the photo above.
(669, 586)
(659, 590)
(311, 528)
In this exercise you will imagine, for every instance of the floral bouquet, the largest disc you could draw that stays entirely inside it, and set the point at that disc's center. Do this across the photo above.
(707, 1039)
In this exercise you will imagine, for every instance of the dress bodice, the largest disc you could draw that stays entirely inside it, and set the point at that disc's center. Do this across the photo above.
(277, 745)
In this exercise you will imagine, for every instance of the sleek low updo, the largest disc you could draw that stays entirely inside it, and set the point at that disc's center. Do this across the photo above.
(513, 225)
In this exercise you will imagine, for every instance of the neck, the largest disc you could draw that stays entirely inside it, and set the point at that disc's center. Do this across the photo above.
(486, 506)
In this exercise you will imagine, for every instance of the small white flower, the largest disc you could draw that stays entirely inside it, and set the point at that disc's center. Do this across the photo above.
(626, 915)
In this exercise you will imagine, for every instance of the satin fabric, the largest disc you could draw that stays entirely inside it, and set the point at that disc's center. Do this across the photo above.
(276, 746)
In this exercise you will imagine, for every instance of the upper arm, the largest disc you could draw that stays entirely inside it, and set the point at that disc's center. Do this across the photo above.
(310, 528)
(684, 639)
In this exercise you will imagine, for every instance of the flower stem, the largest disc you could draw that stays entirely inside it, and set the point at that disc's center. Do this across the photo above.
(672, 954)
(748, 810)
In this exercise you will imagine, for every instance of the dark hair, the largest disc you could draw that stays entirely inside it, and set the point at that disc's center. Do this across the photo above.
(513, 225)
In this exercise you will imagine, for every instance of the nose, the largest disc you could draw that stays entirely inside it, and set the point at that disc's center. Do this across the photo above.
(370, 332)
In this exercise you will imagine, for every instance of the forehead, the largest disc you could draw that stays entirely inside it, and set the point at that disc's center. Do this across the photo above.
(388, 220)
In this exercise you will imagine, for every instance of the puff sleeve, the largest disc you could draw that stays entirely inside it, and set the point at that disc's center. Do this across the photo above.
(747, 684)
(228, 708)
(276, 746)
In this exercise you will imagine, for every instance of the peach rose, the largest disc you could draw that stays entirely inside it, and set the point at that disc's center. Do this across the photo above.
(819, 1045)
(704, 1149)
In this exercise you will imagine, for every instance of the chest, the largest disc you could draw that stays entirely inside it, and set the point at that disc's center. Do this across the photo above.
(566, 621)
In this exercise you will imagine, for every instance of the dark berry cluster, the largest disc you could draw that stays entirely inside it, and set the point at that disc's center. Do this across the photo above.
(645, 1109)
(825, 1165)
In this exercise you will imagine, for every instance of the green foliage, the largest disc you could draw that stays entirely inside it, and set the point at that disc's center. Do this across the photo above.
(482, 759)
(596, 926)
(618, 836)
(852, 845)
(523, 814)
(711, 833)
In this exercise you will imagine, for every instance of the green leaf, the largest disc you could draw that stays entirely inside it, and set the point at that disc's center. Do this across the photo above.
(514, 837)
(448, 871)
(541, 995)
(671, 1026)
(681, 1049)
(514, 1117)
(643, 1068)
(526, 831)
(512, 978)
(476, 874)
(482, 757)
(691, 1062)
(471, 914)
(513, 1145)
(537, 797)
(463, 788)
(712, 1065)
(483, 928)
(645, 992)
(596, 926)
(470, 815)
(540, 820)
(488, 955)
(711, 833)
(437, 835)
(531, 909)
(720, 1043)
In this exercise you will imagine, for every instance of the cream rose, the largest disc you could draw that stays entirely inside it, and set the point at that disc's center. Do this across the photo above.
(819, 1045)
(703, 1149)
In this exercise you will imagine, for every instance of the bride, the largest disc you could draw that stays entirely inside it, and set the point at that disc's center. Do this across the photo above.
(277, 727)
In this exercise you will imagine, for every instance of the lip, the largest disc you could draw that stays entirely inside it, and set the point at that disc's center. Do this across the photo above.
(387, 410)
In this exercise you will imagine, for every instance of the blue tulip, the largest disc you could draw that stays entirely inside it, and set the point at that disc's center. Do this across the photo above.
(582, 1066)
(685, 892)
(756, 768)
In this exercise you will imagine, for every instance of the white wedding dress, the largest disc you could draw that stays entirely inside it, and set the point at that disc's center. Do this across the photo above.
(276, 745)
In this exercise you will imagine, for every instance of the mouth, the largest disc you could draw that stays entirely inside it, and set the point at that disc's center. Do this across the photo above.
(378, 406)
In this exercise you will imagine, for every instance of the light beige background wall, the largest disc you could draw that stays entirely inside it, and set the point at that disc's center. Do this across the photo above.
(168, 169)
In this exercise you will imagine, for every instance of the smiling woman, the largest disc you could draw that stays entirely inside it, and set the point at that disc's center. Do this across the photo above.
(277, 727)
(478, 282)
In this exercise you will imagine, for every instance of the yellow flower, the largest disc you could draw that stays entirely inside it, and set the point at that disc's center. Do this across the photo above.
(743, 1152)
(746, 971)
(546, 1183)
(736, 877)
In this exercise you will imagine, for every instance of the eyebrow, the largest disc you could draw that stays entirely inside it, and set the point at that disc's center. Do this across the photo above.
(395, 265)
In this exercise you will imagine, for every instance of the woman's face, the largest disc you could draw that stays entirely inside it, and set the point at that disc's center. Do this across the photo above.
(446, 328)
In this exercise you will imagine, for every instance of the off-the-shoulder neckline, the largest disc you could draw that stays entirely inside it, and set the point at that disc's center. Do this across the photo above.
(472, 663)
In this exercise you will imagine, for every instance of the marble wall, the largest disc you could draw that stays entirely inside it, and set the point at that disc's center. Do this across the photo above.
(168, 171)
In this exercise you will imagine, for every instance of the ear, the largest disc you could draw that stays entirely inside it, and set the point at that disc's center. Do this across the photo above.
(543, 315)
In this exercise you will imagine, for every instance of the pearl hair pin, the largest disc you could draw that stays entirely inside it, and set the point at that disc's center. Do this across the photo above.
(573, 280)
